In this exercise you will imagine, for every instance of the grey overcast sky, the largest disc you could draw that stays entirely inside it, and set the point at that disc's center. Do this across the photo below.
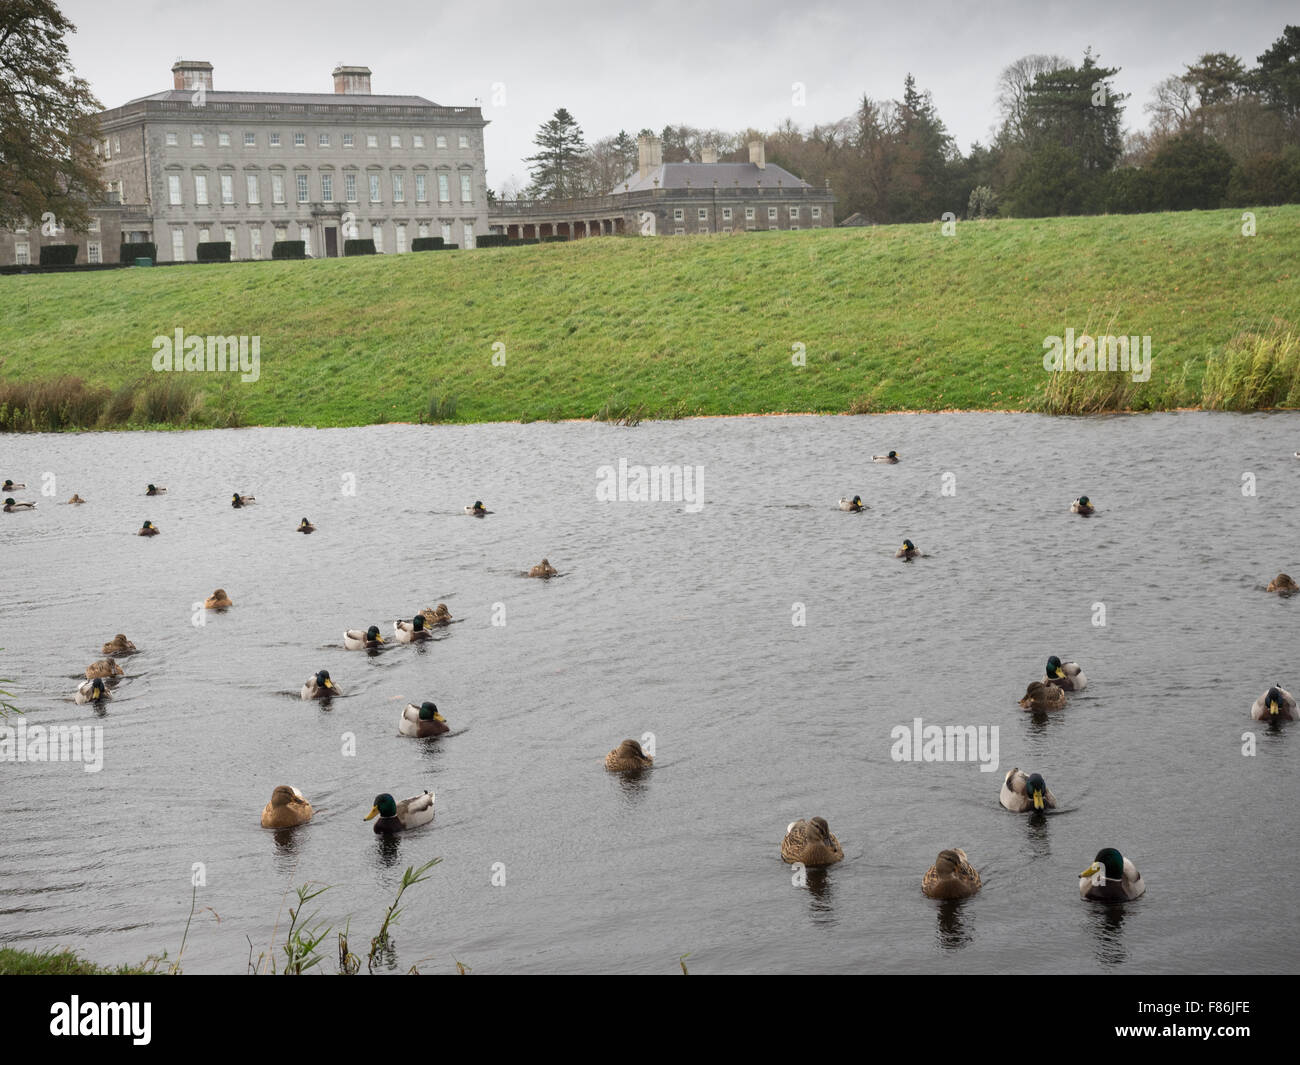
(728, 64)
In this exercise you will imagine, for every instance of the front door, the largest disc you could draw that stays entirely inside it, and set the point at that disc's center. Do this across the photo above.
(331, 242)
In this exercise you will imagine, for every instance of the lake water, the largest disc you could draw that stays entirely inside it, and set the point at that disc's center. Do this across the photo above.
(677, 620)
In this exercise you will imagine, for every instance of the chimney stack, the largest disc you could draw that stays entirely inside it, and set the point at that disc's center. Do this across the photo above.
(352, 81)
(756, 154)
(708, 155)
(189, 74)
(650, 154)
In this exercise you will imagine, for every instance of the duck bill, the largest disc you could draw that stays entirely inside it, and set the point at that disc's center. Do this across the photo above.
(439, 717)
(1091, 871)
(1272, 708)
(1060, 672)
(1038, 800)
(374, 812)
(329, 683)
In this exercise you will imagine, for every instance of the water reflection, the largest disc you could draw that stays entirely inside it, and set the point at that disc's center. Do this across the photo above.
(821, 895)
(1107, 920)
(390, 849)
(952, 931)
(632, 782)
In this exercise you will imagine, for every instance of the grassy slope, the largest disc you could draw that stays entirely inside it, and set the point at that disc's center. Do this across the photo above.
(57, 963)
(699, 325)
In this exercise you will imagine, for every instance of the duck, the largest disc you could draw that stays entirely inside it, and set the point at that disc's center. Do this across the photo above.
(320, 686)
(148, 529)
(1111, 878)
(811, 843)
(92, 691)
(104, 667)
(855, 504)
(907, 552)
(423, 720)
(306, 527)
(951, 876)
(76, 499)
(441, 616)
(1276, 704)
(118, 645)
(410, 631)
(398, 816)
(1066, 675)
(891, 458)
(218, 600)
(1283, 585)
(12, 505)
(154, 490)
(238, 501)
(356, 640)
(287, 808)
(477, 509)
(544, 569)
(1023, 792)
(10, 486)
(1039, 696)
(628, 755)
(1082, 506)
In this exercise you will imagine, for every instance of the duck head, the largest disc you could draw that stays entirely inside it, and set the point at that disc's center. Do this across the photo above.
(372, 633)
(1054, 667)
(429, 712)
(1274, 701)
(1108, 859)
(97, 689)
(384, 806)
(1036, 787)
(323, 680)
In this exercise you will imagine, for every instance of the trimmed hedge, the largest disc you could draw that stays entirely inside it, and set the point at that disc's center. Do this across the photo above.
(58, 254)
(289, 249)
(492, 240)
(214, 251)
(426, 243)
(141, 250)
(358, 247)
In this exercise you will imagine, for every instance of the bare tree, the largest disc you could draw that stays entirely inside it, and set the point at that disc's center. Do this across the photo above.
(1014, 84)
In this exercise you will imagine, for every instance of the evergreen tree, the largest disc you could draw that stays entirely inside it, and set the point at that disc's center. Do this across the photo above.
(556, 167)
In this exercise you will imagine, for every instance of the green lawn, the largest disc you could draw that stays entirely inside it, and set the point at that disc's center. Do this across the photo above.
(890, 318)
(58, 963)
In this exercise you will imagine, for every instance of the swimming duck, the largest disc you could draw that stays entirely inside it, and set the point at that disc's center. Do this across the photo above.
(441, 616)
(627, 755)
(12, 505)
(320, 686)
(1082, 506)
(1039, 696)
(811, 843)
(908, 551)
(118, 645)
(410, 631)
(76, 499)
(855, 504)
(241, 501)
(286, 809)
(950, 877)
(396, 816)
(891, 458)
(306, 527)
(356, 640)
(1283, 585)
(10, 486)
(1276, 704)
(477, 509)
(1111, 878)
(92, 691)
(105, 667)
(154, 490)
(1022, 793)
(1068, 675)
(148, 529)
(218, 600)
(545, 569)
(423, 720)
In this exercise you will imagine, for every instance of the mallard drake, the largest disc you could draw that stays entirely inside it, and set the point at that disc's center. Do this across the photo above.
(154, 490)
(811, 843)
(148, 529)
(1283, 585)
(12, 505)
(320, 686)
(908, 551)
(1082, 506)
(92, 691)
(627, 755)
(1022, 793)
(544, 569)
(891, 458)
(1039, 696)
(950, 877)
(218, 600)
(118, 645)
(105, 667)
(238, 501)
(855, 504)
(1066, 675)
(306, 527)
(410, 631)
(356, 640)
(286, 809)
(1276, 704)
(441, 616)
(397, 816)
(477, 509)
(76, 499)
(1111, 878)
(11, 486)
(422, 720)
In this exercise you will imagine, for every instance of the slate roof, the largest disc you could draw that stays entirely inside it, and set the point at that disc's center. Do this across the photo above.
(351, 99)
(703, 175)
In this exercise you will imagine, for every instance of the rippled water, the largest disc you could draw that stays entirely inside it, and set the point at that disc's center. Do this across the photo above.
(680, 624)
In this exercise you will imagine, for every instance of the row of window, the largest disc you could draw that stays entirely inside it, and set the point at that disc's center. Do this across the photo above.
(23, 251)
(255, 246)
(702, 214)
(325, 182)
(323, 140)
